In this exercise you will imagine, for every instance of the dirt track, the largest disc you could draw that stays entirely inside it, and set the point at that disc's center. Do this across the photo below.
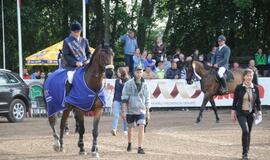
(170, 135)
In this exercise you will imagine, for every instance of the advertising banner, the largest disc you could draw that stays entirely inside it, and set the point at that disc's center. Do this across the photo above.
(171, 93)
(177, 93)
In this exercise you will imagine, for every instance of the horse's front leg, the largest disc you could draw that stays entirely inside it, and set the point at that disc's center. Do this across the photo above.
(97, 114)
(63, 125)
(52, 121)
(75, 112)
(205, 100)
(81, 130)
(213, 104)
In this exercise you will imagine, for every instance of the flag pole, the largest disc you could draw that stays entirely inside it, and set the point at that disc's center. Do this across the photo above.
(84, 18)
(19, 39)
(3, 34)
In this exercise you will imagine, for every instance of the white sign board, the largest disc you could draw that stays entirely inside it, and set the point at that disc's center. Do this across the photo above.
(177, 93)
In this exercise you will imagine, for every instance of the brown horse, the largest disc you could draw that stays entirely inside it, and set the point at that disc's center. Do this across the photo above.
(101, 61)
(209, 84)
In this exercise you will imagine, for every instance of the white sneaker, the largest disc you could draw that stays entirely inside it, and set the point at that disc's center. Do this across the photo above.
(113, 132)
(125, 133)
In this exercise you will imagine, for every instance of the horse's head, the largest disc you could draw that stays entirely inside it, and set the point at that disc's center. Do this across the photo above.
(189, 71)
(104, 55)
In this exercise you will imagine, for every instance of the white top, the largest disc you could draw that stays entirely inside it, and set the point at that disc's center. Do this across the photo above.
(220, 47)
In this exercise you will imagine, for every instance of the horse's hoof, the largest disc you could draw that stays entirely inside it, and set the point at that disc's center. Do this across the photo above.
(82, 153)
(217, 121)
(66, 131)
(56, 148)
(198, 121)
(95, 155)
(62, 150)
(56, 145)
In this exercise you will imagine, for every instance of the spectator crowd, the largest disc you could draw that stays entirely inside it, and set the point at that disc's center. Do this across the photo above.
(159, 64)
(37, 74)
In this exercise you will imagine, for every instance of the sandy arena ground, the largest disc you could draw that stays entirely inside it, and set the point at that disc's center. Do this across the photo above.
(170, 135)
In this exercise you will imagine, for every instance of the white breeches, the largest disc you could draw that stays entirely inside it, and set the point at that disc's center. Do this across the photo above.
(70, 75)
(221, 71)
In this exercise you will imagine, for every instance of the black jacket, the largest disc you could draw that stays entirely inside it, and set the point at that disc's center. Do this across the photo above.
(239, 93)
(118, 88)
(75, 51)
(171, 73)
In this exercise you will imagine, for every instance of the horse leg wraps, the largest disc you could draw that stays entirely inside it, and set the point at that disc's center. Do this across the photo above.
(80, 143)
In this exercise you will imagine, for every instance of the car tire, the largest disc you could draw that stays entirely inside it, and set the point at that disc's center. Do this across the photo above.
(17, 111)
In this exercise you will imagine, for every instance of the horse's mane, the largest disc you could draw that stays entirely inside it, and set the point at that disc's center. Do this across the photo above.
(208, 69)
(92, 58)
(204, 65)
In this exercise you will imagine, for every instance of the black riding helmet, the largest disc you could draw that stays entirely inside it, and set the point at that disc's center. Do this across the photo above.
(75, 26)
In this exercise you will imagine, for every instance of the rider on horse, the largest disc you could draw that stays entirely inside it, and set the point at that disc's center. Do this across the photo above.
(221, 61)
(76, 53)
(76, 50)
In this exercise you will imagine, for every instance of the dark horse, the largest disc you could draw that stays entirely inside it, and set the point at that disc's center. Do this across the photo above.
(101, 61)
(209, 84)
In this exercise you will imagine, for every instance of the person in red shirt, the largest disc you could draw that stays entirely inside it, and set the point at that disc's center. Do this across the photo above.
(26, 74)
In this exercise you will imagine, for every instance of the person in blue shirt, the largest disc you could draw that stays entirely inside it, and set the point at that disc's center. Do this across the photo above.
(221, 61)
(138, 59)
(149, 62)
(130, 46)
(36, 75)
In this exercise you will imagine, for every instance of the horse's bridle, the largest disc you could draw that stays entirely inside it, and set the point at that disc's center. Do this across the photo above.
(107, 49)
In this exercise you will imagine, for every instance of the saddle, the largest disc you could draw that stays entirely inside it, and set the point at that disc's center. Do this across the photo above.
(228, 75)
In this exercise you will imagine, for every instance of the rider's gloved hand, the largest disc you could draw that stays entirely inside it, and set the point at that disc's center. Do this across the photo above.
(86, 62)
(79, 64)
(216, 65)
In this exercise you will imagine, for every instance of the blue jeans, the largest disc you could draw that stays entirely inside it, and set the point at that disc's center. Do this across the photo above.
(116, 113)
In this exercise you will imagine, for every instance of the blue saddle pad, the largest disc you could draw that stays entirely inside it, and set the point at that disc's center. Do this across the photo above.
(54, 91)
(81, 95)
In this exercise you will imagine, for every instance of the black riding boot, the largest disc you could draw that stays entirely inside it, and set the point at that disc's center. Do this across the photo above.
(224, 88)
(68, 88)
